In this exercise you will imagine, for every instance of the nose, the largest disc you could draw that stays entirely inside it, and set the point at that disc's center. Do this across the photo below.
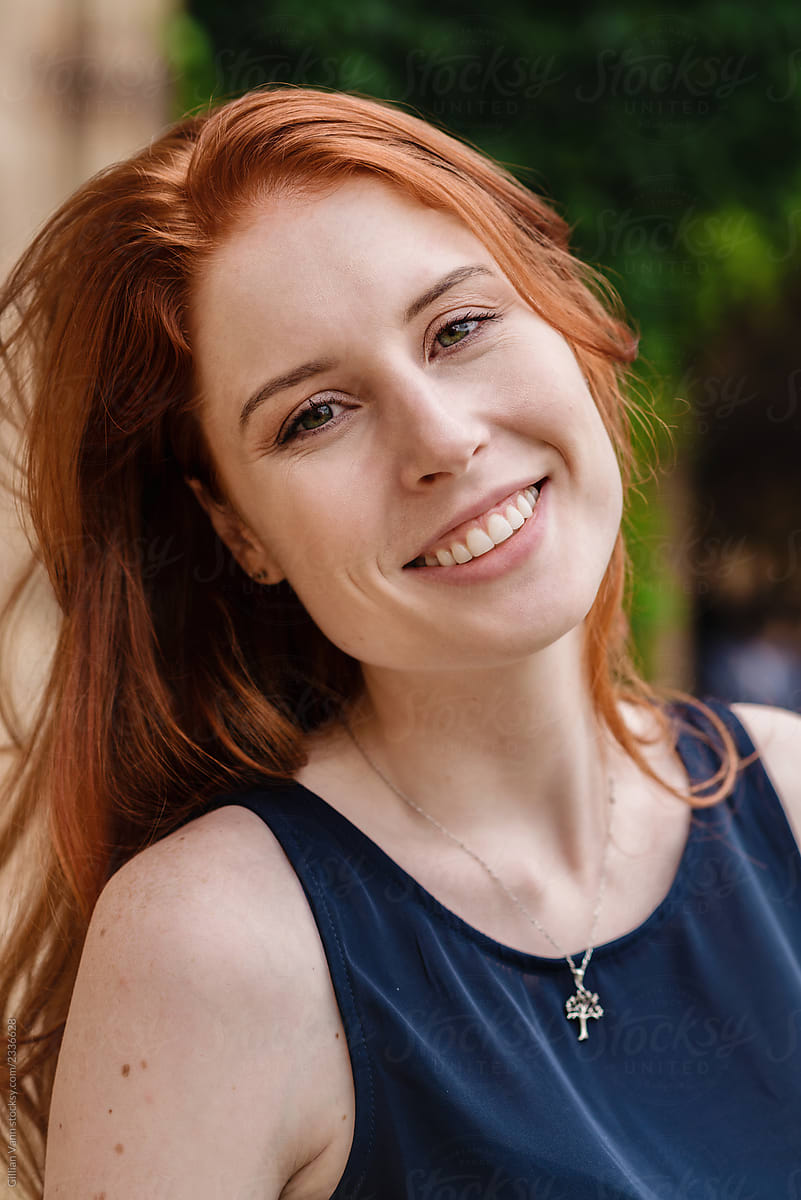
(434, 428)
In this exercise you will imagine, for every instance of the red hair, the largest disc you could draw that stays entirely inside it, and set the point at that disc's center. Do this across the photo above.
(137, 726)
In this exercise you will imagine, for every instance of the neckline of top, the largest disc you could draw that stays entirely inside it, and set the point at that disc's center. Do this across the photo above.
(687, 749)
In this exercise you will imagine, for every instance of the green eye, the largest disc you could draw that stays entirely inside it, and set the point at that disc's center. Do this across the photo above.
(312, 412)
(458, 331)
(459, 325)
(317, 416)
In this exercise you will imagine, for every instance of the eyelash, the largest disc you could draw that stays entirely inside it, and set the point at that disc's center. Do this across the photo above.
(294, 432)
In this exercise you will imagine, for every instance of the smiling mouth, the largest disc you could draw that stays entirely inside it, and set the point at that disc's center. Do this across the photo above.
(487, 532)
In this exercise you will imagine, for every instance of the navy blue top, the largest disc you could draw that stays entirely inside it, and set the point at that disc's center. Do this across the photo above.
(470, 1082)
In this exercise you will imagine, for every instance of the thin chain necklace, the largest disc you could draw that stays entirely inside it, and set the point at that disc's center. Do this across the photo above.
(583, 1005)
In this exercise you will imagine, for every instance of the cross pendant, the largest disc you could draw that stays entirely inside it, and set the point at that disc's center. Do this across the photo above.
(581, 1007)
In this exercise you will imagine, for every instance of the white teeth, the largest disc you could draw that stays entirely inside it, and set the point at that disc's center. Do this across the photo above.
(499, 528)
(478, 542)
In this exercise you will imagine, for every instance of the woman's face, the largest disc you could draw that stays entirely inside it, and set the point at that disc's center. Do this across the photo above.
(430, 416)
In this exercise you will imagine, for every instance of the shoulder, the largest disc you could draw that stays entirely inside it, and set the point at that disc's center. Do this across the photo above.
(220, 887)
(211, 864)
(219, 899)
(776, 734)
(191, 961)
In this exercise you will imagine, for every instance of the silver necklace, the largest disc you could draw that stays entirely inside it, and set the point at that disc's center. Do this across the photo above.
(583, 1005)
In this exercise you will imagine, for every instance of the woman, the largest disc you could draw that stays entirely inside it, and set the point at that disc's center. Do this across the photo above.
(343, 777)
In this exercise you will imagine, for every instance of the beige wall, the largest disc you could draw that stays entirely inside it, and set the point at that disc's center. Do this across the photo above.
(82, 84)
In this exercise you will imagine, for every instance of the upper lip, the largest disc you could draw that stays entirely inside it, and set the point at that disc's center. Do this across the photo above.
(477, 508)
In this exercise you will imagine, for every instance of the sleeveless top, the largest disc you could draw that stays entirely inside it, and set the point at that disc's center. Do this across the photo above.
(471, 1083)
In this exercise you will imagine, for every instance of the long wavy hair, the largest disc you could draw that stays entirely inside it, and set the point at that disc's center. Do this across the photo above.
(173, 676)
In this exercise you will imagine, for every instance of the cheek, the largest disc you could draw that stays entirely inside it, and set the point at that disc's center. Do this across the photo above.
(612, 471)
(610, 487)
(318, 539)
(606, 478)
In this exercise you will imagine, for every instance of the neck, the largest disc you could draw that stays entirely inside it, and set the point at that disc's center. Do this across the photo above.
(503, 753)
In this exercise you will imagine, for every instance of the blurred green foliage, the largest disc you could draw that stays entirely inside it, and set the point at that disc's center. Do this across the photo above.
(667, 139)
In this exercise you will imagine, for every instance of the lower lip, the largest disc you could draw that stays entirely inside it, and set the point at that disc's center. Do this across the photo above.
(503, 558)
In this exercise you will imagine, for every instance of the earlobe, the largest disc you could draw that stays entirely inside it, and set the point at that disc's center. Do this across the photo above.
(237, 536)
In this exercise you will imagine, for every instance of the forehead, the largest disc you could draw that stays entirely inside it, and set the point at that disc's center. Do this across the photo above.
(352, 242)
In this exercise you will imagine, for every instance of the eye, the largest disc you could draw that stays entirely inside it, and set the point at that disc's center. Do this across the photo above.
(313, 409)
(458, 331)
(460, 325)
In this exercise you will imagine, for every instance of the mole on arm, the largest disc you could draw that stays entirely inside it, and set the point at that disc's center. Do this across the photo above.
(119, 1147)
(126, 1069)
(143, 1064)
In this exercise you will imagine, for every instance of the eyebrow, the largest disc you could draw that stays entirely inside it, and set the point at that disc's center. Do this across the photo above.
(317, 365)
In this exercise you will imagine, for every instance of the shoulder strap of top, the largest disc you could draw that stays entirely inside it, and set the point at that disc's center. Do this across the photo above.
(754, 799)
(335, 877)
(726, 714)
(701, 747)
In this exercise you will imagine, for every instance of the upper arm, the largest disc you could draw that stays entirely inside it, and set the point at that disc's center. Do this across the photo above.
(177, 1074)
(776, 734)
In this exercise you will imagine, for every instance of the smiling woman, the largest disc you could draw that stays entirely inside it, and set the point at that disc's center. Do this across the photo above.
(354, 791)
(440, 436)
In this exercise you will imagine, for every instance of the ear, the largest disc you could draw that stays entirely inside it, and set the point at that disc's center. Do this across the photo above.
(238, 537)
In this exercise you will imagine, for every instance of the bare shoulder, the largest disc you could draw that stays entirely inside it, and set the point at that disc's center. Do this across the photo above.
(196, 980)
(220, 886)
(776, 734)
(230, 849)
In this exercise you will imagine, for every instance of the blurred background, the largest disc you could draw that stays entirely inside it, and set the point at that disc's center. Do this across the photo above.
(670, 142)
